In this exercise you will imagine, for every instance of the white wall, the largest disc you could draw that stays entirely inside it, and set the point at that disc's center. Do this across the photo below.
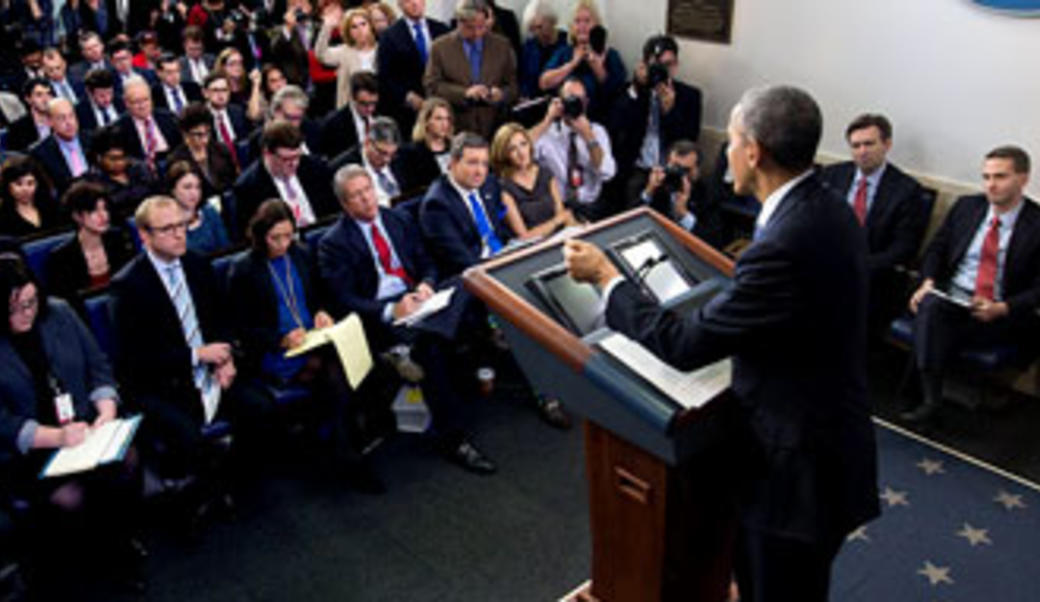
(955, 80)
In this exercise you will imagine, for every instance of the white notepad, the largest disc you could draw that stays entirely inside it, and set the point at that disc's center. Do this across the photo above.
(103, 445)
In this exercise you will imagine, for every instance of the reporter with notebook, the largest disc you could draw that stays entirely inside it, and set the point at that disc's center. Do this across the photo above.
(55, 385)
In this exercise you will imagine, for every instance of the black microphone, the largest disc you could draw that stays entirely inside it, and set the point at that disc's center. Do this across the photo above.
(648, 265)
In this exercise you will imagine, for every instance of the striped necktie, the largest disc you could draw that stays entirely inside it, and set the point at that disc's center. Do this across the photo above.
(185, 309)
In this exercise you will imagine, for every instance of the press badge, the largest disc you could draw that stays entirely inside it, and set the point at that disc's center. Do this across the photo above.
(63, 408)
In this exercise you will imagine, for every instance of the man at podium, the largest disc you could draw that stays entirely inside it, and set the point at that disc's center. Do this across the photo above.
(794, 321)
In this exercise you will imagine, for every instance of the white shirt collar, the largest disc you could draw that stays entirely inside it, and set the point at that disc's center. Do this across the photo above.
(773, 200)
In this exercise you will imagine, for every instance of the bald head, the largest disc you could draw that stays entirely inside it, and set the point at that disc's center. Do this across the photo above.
(62, 116)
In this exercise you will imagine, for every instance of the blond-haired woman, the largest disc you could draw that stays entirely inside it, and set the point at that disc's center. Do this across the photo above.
(356, 53)
(428, 154)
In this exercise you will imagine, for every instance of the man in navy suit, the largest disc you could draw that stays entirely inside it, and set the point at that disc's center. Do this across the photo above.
(92, 49)
(123, 65)
(148, 133)
(230, 124)
(888, 203)
(372, 262)
(63, 154)
(462, 215)
(64, 85)
(173, 94)
(345, 128)
(101, 106)
(404, 49)
(794, 322)
(987, 255)
(34, 125)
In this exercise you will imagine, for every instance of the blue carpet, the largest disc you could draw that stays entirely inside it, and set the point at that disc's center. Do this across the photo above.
(950, 530)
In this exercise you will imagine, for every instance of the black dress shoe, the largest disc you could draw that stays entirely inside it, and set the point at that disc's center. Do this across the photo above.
(552, 412)
(470, 458)
(922, 413)
(362, 479)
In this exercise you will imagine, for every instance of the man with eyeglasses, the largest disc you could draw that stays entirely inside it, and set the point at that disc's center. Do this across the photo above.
(346, 127)
(175, 355)
(229, 120)
(377, 155)
(284, 172)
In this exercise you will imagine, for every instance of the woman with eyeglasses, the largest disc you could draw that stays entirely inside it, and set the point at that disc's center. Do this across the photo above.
(209, 158)
(206, 232)
(26, 208)
(274, 287)
(428, 154)
(55, 386)
(356, 53)
(97, 251)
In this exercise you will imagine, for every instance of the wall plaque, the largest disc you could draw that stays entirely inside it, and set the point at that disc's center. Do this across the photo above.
(705, 20)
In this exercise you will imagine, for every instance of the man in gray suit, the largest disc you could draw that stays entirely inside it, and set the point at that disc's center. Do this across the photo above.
(196, 62)
(473, 69)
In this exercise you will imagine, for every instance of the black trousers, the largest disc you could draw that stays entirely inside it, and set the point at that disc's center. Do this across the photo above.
(941, 329)
(770, 568)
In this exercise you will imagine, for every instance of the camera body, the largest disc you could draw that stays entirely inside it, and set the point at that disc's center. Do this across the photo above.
(573, 107)
(673, 177)
(301, 15)
(656, 73)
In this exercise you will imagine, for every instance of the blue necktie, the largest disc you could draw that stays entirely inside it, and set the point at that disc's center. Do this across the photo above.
(177, 104)
(185, 308)
(475, 53)
(487, 233)
(420, 41)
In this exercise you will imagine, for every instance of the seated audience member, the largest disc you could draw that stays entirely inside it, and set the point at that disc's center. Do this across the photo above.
(35, 125)
(175, 358)
(404, 50)
(346, 127)
(88, 260)
(229, 120)
(26, 207)
(148, 133)
(55, 69)
(461, 214)
(473, 69)
(372, 262)
(123, 65)
(290, 104)
(356, 53)
(987, 254)
(677, 191)
(530, 193)
(209, 158)
(653, 113)
(127, 180)
(63, 154)
(377, 154)
(245, 88)
(196, 63)
(284, 172)
(545, 39)
(428, 154)
(576, 150)
(101, 107)
(275, 288)
(381, 15)
(206, 233)
(92, 50)
(271, 81)
(889, 205)
(148, 50)
(55, 385)
(173, 93)
(599, 69)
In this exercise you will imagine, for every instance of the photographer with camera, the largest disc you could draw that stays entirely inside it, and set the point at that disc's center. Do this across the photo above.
(676, 191)
(576, 150)
(656, 111)
(289, 49)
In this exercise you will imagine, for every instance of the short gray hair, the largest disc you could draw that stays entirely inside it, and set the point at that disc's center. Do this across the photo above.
(384, 129)
(290, 92)
(539, 9)
(470, 9)
(785, 122)
(465, 140)
(345, 174)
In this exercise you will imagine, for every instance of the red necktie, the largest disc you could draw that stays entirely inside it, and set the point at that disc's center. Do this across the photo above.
(859, 204)
(225, 136)
(385, 258)
(987, 276)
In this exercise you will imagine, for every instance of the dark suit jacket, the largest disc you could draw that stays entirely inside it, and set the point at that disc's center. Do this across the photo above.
(794, 321)
(348, 270)
(75, 83)
(48, 154)
(448, 76)
(312, 136)
(219, 174)
(153, 357)
(78, 70)
(164, 120)
(138, 17)
(353, 155)
(449, 230)
(88, 122)
(256, 301)
(419, 165)
(192, 93)
(1020, 284)
(629, 116)
(338, 133)
(255, 186)
(186, 68)
(239, 123)
(67, 274)
(397, 54)
(22, 133)
(291, 57)
(896, 222)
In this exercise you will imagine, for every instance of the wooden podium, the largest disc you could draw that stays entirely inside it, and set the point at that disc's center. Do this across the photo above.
(662, 521)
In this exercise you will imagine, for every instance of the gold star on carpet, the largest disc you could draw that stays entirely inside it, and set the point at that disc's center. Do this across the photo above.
(860, 534)
(936, 574)
(1009, 501)
(931, 467)
(975, 536)
(894, 498)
